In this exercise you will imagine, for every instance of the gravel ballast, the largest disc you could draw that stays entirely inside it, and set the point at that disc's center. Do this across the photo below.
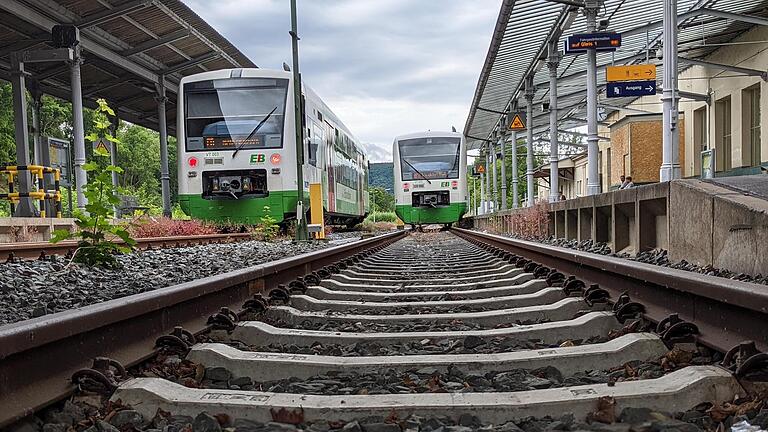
(395, 327)
(83, 416)
(30, 289)
(467, 345)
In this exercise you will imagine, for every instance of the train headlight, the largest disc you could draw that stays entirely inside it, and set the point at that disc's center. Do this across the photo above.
(215, 184)
(275, 158)
(192, 161)
(247, 184)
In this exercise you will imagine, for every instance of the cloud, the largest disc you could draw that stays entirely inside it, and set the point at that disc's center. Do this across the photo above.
(384, 67)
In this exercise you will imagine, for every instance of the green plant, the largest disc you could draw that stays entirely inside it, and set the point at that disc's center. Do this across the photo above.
(96, 233)
(381, 217)
(268, 225)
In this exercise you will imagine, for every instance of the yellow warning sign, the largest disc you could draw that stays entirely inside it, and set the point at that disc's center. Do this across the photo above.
(517, 123)
(481, 169)
(638, 72)
(101, 146)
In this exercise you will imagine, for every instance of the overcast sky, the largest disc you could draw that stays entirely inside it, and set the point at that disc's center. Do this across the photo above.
(385, 67)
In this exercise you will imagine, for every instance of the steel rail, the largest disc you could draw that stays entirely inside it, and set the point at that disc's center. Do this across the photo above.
(38, 356)
(33, 250)
(726, 311)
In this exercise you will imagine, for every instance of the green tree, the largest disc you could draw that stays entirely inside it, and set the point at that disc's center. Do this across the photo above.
(138, 153)
(95, 225)
(381, 199)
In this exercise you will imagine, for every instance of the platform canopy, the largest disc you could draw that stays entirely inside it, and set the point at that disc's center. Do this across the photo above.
(127, 45)
(524, 28)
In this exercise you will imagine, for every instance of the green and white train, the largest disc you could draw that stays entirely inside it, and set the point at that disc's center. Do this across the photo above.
(430, 173)
(237, 150)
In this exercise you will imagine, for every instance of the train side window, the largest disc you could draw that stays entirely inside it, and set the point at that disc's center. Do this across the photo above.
(315, 141)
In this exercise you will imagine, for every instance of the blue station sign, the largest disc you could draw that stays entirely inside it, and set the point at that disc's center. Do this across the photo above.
(602, 41)
(630, 89)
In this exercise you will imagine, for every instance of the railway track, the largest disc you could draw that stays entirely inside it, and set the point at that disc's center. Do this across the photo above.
(36, 250)
(445, 331)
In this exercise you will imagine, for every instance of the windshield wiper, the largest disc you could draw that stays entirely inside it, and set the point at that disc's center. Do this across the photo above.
(253, 132)
(417, 171)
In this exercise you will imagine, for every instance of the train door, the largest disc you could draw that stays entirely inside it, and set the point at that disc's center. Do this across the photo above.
(330, 134)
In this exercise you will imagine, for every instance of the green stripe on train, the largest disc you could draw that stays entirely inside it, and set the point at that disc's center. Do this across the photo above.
(245, 211)
(428, 215)
(250, 211)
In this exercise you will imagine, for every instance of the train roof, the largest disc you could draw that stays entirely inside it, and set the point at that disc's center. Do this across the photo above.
(428, 134)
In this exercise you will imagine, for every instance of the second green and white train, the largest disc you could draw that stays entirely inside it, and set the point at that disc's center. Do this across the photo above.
(430, 173)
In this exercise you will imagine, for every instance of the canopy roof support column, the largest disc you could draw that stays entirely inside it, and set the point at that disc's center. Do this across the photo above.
(482, 193)
(37, 103)
(24, 206)
(493, 171)
(515, 198)
(78, 131)
(503, 143)
(488, 178)
(114, 125)
(165, 178)
(552, 63)
(670, 156)
(593, 185)
(529, 93)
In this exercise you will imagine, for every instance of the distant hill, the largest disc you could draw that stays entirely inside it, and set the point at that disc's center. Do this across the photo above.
(381, 175)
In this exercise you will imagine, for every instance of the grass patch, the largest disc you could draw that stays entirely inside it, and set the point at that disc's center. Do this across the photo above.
(381, 217)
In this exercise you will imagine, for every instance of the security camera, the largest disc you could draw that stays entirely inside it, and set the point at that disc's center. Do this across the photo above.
(545, 106)
(603, 24)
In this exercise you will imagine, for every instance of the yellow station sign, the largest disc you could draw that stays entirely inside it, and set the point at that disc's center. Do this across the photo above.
(640, 72)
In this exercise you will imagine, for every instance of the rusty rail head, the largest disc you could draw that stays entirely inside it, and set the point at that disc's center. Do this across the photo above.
(38, 356)
(726, 311)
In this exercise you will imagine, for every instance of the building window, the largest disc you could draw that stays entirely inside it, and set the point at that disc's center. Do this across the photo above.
(626, 165)
(700, 134)
(723, 133)
(751, 120)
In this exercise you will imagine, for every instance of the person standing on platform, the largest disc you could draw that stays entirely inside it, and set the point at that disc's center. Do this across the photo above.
(623, 182)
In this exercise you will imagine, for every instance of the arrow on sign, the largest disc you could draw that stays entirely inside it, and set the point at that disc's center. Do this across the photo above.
(630, 89)
(639, 72)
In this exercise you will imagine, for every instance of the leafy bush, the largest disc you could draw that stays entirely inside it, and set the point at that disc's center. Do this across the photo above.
(381, 217)
(150, 226)
(381, 200)
(530, 223)
(96, 234)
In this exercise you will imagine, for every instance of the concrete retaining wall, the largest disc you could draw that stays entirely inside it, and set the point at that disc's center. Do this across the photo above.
(696, 221)
(13, 230)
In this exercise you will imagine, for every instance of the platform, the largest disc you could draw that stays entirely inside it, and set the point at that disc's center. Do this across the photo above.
(752, 185)
(722, 223)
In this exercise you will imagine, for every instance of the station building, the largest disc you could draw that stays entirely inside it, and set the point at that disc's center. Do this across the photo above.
(728, 126)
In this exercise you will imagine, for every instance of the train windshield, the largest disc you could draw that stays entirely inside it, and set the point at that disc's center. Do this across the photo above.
(429, 158)
(235, 113)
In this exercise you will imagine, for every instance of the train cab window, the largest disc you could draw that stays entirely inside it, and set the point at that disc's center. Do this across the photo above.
(226, 114)
(430, 158)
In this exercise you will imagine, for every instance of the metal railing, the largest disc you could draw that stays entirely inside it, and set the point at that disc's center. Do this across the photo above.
(41, 195)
